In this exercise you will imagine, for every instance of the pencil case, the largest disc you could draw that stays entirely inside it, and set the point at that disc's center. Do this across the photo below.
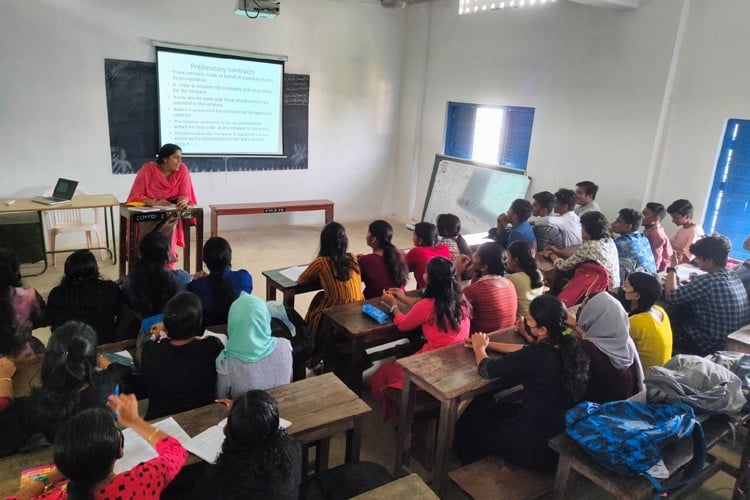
(375, 313)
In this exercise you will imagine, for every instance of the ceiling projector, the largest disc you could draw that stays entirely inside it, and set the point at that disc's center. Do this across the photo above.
(257, 8)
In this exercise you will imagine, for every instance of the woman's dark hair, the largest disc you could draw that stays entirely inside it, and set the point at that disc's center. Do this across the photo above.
(333, 244)
(521, 251)
(166, 151)
(426, 233)
(494, 256)
(596, 225)
(444, 288)
(68, 365)
(152, 282)
(253, 451)
(548, 311)
(681, 207)
(85, 450)
(183, 315)
(10, 277)
(715, 248)
(449, 226)
(647, 287)
(382, 231)
(217, 254)
(80, 266)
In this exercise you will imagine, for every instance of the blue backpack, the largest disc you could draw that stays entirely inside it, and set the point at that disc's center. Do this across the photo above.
(626, 437)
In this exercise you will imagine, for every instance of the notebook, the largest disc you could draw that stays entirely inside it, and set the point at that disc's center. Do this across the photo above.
(64, 191)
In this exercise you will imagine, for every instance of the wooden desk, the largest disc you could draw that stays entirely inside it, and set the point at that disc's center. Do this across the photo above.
(411, 487)
(288, 288)
(549, 272)
(271, 207)
(739, 340)
(450, 376)
(318, 407)
(129, 238)
(79, 202)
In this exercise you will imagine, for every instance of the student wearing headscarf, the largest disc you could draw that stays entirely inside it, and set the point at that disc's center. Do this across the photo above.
(615, 371)
(252, 359)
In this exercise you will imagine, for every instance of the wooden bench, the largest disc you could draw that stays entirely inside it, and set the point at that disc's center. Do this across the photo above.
(271, 207)
(493, 478)
(411, 487)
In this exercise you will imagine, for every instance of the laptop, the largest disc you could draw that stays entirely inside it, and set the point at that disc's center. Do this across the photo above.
(64, 191)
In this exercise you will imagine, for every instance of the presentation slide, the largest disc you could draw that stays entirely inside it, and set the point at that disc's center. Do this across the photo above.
(218, 105)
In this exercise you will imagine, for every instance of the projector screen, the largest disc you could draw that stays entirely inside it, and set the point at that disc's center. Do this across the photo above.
(218, 104)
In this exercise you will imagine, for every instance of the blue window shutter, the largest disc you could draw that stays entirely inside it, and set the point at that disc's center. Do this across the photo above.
(730, 192)
(518, 123)
(459, 131)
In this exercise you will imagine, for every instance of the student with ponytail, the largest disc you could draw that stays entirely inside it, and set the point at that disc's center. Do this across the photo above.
(524, 275)
(426, 247)
(385, 267)
(449, 230)
(553, 370)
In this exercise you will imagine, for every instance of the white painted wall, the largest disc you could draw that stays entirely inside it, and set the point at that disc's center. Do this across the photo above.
(53, 116)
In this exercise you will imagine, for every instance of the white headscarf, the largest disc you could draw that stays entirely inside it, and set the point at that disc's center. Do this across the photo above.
(606, 325)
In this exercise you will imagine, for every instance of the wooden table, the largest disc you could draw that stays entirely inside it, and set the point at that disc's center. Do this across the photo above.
(549, 272)
(318, 407)
(450, 376)
(129, 238)
(271, 207)
(288, 288)
(410, 487)
(739, 340)
(79, 202)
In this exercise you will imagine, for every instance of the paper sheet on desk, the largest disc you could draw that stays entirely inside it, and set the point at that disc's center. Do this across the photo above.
(292, 273)
(137, 449)
(207, 445)
(685, 270)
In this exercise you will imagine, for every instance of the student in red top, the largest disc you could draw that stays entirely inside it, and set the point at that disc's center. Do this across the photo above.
(385, 267)
(425, 248)
(87, 447)
(493, 298)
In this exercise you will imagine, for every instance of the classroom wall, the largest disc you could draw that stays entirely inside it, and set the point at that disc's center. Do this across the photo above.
(53, 104)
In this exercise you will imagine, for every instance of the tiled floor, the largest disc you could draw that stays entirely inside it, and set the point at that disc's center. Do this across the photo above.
(262, 248)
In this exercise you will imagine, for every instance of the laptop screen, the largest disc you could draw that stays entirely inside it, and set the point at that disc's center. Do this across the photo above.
(65, 189)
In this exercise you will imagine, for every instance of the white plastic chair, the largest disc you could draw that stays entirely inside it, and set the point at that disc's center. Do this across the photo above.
(71, 221)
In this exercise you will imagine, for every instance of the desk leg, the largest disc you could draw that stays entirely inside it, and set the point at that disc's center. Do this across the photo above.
(270, 290)
(214, 223)
(322, 451)
(123, 244)
(446, 429)
(406, 417)
(329, 214)
(186, 250)
(562, 477)
(199, 241)
(112, 225)
(289, 298)
(354, 441)
(357, 360)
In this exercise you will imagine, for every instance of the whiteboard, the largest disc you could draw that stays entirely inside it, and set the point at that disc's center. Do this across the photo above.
(475, 192)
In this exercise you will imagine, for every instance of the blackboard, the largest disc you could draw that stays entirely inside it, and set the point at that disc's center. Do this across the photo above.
(475, 192)
(134, 137)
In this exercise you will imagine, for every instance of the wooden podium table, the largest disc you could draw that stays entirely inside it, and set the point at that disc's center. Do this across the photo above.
(129, 238)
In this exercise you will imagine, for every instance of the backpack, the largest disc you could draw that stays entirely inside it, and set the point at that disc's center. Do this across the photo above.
(706, 386)
(588, 277)
(626, 437)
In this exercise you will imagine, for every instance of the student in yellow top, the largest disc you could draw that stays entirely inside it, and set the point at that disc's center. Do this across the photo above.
(649, 324)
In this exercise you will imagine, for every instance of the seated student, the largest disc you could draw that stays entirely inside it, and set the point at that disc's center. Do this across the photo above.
(717, 300)
(633, 248)
(7, 370)
(258, 459)
(426, 247)
(524, 275)
(742, 270)
(553, 370)
(661, 247)
(566, 219)
(338, 273)
(449, 232)
(252, 359)
(87, 447)
(385, 267)
(492, 296)
(70, 382)
(179, 373)
(82, 295)
(222, 286)
(152, 283)
(650, 328)
(443, 314)
(520, 230)
(688, 233)
(597, 247)
(615, 370)
(542, 206)
(586, 198)
(21, 310)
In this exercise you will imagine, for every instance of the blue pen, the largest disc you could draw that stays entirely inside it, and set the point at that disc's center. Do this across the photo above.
(117, 393)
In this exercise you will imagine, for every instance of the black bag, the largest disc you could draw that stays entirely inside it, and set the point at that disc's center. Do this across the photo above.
(302, 341)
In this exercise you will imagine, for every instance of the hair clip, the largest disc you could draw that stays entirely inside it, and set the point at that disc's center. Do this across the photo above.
(567, 331)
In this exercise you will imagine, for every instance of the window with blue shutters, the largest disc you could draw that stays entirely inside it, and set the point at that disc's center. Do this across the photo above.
(728, 210)
(467, 133)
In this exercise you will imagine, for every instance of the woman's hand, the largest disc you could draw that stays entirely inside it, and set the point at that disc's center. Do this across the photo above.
(225, 401)
(125, 407)
(397, 293)
(674, 260)
(7, 367)
(102, 362)
(182, 202)
(200, 274)
(571, 320)
(479, 341)
(462, 263)
(521, 329)
(389, 298)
